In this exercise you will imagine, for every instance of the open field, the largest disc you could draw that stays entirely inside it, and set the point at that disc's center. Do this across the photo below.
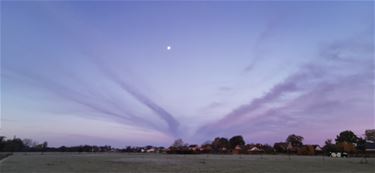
(4, 155)
(146, 163)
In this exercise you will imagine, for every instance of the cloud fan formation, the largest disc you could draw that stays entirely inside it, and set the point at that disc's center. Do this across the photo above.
(262, 76)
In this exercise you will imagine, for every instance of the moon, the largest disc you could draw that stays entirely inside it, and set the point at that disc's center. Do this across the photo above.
(169, 47)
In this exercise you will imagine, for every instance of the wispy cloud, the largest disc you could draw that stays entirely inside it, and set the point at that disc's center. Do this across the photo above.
(332, 86)
(104, 107)
(89, 97)
(259, 48)
(173, 124)
(291, 84)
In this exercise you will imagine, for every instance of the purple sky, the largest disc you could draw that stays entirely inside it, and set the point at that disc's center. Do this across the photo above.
(100, 72)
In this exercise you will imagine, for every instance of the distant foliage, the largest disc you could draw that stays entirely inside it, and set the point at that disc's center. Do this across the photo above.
(346, 142)
(329, 146)
(346, 147)
(28, 145)
(306, 150)
(11, 145)
(179, 143)
(295, 140)
(220, 145)
(347, 136)
(236, 140)
(280, 147)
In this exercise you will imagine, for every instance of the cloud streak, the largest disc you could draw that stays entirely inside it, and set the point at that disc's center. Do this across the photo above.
(91, 51)
(339, 81)
(269, 31)
(106, 108)
(173, 124)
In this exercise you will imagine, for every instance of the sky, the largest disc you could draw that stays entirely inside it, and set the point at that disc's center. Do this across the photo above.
(139, 73)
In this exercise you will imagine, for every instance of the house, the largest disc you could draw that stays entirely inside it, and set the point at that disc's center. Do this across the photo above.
(346, 147)
(151, 150)
(255, 150)
(237, 149)
(162, 150)
(317, 148)
(193, 147)
(206, 148)
(370, 147)
(306, 150)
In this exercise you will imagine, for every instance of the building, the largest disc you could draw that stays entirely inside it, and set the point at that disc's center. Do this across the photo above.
(255, 150)
(237, 149)
(318, 148)
(370, 147)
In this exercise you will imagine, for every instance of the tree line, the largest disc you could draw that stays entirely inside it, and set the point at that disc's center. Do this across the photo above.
(346, 141)
(28, 145)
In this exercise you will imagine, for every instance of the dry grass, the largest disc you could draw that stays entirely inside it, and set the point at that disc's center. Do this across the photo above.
(147, 163)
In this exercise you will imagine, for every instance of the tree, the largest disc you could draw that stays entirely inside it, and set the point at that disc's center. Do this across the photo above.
(361, 144)
(370, 135)
(268, 149)
(179, 147)
(280, 147)
(346, 136)
(220, 143)
(179, 143)
(13, 145)
(28, 143)
(206, 147)
(329, 146)
(2, 142)
(44, 146)
(208, 142)
(62, 149)
(295, 140)
(236, 140)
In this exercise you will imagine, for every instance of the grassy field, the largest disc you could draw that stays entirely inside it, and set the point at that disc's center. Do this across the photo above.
(153, 163)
